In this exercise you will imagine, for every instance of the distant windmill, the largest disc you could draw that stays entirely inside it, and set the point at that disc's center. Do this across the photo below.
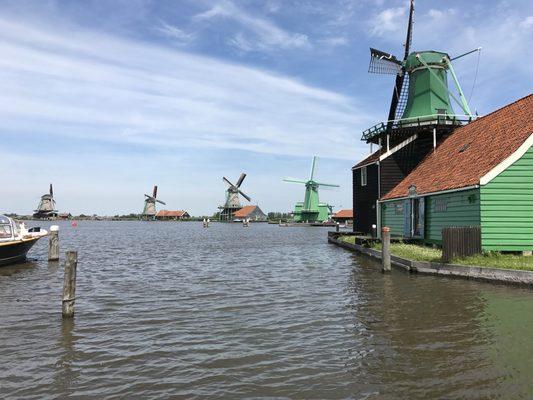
(47, 206)
(149, 210)
(311, 210)
(232, 203)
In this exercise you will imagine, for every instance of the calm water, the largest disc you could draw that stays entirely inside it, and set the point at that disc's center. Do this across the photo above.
(172, 310)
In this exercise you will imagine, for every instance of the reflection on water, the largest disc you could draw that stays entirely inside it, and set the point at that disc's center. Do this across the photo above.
(172, 310)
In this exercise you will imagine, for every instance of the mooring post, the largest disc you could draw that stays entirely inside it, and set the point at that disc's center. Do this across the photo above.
(69, 284)
(385, 249)
(53, 244)
(337, 227)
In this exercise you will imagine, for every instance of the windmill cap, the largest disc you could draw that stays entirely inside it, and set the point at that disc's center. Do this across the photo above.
(54, 228)
(430, 57)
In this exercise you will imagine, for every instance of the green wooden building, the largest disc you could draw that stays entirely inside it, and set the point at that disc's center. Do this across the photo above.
(481, 175)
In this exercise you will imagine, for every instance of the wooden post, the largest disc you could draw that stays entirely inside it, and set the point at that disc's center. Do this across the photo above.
(385, 249)
(69, 284)
(53, 244)
(337, 227)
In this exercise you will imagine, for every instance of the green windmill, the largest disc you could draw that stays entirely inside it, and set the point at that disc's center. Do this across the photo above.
(421, 96)
(311, 210)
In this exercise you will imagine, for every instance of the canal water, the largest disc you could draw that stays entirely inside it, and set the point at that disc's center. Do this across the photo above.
(172, 310)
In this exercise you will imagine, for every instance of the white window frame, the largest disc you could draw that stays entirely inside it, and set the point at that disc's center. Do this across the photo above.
(364, 176)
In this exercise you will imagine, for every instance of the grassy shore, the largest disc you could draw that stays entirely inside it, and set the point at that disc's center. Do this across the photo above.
(423, 253)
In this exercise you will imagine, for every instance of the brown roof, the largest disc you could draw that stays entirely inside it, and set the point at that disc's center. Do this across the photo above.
(343, 214)
(244, 212)
(372, 158)
(471, 151)
(171, 213)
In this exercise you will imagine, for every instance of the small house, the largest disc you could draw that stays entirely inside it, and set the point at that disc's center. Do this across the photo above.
(343, 216)
(171, 215)
(481, 175)
(253, 213)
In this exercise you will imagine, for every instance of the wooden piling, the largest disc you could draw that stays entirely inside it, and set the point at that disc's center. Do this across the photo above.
(385, 249)
(69, 284)
(53, 244)
(337, 227)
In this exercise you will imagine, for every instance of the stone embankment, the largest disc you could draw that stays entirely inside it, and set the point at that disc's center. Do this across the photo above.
(496, 275)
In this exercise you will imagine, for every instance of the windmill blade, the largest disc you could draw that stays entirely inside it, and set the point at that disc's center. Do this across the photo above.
(154, 195)
(401, 86)
(327, 184)
(227, 181)
(51, 190)
(313, 166)
(150, 197)
(241, 178)
(294, 180)
(161, 202)
(383, 63)
(245, 196)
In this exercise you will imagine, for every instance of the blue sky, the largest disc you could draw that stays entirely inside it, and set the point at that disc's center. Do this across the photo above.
(107, 98)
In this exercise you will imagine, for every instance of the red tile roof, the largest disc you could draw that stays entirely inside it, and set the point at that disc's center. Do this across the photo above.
(343, 214)
(244, 212)
(471, 151)
(372, 158)
(171, 213)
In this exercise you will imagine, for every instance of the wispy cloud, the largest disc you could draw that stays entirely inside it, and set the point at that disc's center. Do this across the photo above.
(388, 20)
(175, 33)
(261, 33)
(122, 91)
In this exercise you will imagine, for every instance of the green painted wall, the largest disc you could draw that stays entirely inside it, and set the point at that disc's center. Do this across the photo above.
(392, 216)
(451, 209)
(507, 208)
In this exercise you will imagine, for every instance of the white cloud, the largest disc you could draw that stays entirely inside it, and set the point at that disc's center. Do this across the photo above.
(124, 92)
(527, 22)
(262, 35)
(175, 33)
(334, 41)
(388, 20)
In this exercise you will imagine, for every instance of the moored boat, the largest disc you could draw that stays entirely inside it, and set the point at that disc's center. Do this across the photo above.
(16, 240)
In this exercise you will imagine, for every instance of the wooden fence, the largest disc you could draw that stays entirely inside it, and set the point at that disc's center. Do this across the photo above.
(460, 241)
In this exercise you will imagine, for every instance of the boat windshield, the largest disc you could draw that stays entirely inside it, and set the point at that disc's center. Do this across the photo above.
(4, 220)
(5, 231)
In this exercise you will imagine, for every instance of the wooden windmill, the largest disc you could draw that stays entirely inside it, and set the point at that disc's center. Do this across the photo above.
(311, 210)
(47, 206)
(232, 203)
(420, 117)
(421, 95)
(149, 210)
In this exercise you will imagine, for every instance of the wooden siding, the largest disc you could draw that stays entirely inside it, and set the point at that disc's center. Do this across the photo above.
(397, 166)
(364, 199)
(392, 216)
(507, 208)
(450, 209)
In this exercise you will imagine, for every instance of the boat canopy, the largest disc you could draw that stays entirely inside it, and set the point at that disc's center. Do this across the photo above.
(4, 220)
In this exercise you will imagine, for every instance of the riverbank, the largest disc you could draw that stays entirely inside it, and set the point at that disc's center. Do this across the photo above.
(476, 272)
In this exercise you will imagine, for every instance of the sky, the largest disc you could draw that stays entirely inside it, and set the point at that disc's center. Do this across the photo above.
(107, 98)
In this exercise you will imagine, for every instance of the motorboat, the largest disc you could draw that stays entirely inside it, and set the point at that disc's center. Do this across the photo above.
(16, 240)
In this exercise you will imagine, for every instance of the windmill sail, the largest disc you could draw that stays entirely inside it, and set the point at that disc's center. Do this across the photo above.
(383, 63)
(401, 86)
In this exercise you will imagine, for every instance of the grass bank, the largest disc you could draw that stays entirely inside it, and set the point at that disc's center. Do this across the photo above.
(423, 253)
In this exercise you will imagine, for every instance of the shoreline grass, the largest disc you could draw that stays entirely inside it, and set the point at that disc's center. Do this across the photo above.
(417, 252)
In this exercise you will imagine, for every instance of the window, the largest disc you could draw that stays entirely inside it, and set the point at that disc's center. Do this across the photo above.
(398, 209)
(363, 176)
(441, 205)
(5, 231)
